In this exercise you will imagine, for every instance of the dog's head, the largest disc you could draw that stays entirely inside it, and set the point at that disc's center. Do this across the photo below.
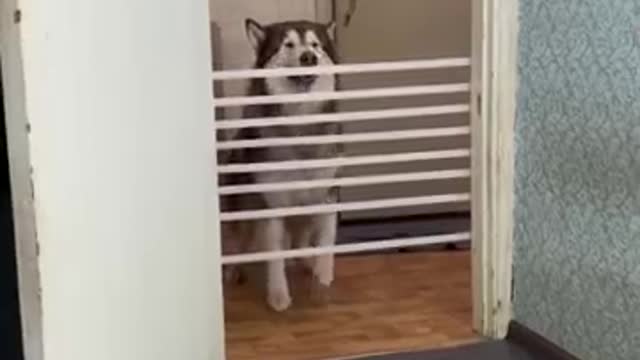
(292, 44)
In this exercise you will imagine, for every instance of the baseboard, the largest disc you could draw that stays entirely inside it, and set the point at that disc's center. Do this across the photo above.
(536, 343)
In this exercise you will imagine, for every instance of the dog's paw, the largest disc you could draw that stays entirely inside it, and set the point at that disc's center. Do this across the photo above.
(279, 300)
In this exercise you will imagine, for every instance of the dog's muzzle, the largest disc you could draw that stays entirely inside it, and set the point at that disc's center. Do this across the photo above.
(307, 59)
(303, 79)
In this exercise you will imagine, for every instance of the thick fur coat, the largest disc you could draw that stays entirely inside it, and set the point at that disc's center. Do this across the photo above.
(287, 44)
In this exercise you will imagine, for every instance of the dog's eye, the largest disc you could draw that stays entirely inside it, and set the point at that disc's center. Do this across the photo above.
(315, 45)
(289, 45)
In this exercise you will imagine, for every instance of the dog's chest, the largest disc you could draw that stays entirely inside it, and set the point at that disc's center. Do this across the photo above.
(284, 153)
(298, 109)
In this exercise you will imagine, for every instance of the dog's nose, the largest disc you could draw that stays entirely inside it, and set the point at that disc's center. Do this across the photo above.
(308, 59)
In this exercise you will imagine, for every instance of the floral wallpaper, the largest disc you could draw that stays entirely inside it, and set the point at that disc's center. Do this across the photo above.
(577, 233)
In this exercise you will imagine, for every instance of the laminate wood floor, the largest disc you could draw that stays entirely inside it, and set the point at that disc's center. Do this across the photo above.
(379, 304)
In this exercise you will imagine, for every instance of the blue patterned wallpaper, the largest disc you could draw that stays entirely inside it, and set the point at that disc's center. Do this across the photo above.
(577, 235)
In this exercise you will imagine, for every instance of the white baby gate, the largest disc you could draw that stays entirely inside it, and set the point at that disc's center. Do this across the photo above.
(423, 112)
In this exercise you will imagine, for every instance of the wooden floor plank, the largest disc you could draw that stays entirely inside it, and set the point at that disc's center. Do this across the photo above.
(379, 303)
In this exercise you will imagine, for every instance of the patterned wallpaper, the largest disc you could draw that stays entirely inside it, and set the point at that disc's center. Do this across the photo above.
(577, 236)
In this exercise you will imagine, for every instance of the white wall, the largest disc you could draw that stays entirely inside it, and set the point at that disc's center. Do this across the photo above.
(406, 30)
(119, 100)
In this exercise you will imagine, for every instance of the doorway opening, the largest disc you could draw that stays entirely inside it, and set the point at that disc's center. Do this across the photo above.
(403, 275)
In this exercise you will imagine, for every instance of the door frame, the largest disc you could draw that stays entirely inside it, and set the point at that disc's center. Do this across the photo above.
(494, 81)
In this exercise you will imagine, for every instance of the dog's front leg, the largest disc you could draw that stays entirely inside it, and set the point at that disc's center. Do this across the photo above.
(324, 265)
(277, 287)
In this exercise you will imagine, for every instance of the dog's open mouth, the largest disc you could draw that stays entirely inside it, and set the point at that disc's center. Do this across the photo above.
(303, 79)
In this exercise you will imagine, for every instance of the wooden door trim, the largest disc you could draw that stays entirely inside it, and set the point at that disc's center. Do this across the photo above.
(493, 100)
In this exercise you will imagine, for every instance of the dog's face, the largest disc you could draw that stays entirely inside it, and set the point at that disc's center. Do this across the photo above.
(292, 44)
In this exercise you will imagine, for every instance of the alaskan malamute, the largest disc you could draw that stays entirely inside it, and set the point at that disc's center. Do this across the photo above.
(286, 44)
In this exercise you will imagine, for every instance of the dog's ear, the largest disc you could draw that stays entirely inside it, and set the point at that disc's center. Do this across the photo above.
(331, 30)
(255, 33)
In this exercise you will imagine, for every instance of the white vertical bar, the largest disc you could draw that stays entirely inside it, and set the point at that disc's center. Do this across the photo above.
(125, 202)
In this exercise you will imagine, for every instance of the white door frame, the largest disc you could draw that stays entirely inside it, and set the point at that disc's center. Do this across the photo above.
(493, 111)
(493, 103)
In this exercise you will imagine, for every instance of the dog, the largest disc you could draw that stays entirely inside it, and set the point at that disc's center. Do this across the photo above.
(281, 45)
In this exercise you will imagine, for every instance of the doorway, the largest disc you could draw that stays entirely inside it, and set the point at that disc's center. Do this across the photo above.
(415, 292)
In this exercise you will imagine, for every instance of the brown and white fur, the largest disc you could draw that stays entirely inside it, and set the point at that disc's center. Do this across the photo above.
(286, 44)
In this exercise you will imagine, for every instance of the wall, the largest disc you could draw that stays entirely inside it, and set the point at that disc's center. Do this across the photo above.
(444, 30)
(577, 237)
(123, 178)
